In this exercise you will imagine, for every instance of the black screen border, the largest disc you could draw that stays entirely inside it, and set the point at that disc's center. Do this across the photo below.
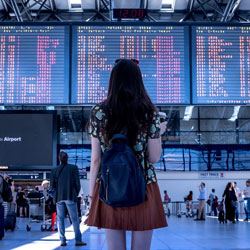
(193, 63)
(67, 51)
(125, 23)
(104, 24)
(54, 141)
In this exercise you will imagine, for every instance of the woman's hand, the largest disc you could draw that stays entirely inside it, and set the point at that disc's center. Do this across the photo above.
(90, 201)
(163, 127)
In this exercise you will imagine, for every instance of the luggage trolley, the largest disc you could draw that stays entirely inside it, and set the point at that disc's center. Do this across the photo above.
(37, 213)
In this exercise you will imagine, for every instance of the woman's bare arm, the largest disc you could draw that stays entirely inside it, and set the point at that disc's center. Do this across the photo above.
(154, 146)
(95, 163)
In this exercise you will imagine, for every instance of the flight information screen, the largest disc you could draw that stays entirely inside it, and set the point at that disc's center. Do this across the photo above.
(221, 64)
(162, 51)
(34, 64)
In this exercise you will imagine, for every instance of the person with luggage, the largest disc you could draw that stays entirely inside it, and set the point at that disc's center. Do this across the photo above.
(6, 196)
(1, 209)
(66, 185)
(221, 216)
(125, 127)
(10, 220)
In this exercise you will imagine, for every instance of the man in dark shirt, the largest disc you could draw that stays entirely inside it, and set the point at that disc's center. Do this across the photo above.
(66, 185)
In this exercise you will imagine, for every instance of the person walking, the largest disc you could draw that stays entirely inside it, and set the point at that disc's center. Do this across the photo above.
(202, 198)
(127, 110)
(246, 197)
(66, 185)
(230, 202)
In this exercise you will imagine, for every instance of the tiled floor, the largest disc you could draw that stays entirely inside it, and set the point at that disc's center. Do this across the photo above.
(182, 233)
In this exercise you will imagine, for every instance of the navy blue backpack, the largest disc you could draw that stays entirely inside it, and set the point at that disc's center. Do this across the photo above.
(122, 180)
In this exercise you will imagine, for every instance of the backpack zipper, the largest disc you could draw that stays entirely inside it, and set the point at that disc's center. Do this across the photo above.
(107, 178)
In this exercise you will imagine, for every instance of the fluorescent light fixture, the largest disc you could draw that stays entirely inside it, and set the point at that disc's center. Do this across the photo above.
(50, 107)
(188, 113)
(126, 4)
(75, 4)
(168, 5)
(2, 107)
(234, 116)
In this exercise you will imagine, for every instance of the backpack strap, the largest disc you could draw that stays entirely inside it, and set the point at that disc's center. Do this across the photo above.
(62, 167)
(121, 137)
(125, 138)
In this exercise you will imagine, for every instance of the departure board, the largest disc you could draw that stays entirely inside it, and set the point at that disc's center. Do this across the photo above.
(162, 51)
(34, 64)
(221, 64)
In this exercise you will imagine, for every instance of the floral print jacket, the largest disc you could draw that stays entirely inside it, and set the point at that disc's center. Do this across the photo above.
(98, 120)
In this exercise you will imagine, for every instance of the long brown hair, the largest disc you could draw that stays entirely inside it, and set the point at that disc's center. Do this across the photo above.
(128, 105)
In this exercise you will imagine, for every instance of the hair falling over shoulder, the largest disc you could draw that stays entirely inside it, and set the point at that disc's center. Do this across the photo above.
(129, 108)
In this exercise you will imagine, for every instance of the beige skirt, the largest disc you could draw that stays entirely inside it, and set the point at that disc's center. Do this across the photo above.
(145, 216)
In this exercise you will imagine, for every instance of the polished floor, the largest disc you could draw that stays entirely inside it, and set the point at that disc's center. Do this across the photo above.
(182, 233)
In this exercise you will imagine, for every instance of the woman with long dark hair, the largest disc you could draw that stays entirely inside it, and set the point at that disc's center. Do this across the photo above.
(230, 201)
(127, 110)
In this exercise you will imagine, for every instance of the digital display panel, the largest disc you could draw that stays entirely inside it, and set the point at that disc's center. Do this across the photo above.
(221, 64)
(34, 64)
(162, 51)
(28, 139)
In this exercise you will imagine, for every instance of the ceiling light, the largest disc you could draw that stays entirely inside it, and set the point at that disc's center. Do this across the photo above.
(234, 116)
(75, 4)
(188, 113)
(50, 107)
(168, 5)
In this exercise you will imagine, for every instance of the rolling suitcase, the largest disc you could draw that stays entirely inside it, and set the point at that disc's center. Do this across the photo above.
(10, 221)
(1, 221)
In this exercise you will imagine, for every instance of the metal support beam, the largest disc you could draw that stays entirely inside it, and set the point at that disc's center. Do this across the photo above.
(189, 11)
(197, 10)
(236, 5)
(204, 11)
(26, 9)
(52, 5)
(105, 5)
(227, 10)
(39, 10)
(16, 10)
(4, 5)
